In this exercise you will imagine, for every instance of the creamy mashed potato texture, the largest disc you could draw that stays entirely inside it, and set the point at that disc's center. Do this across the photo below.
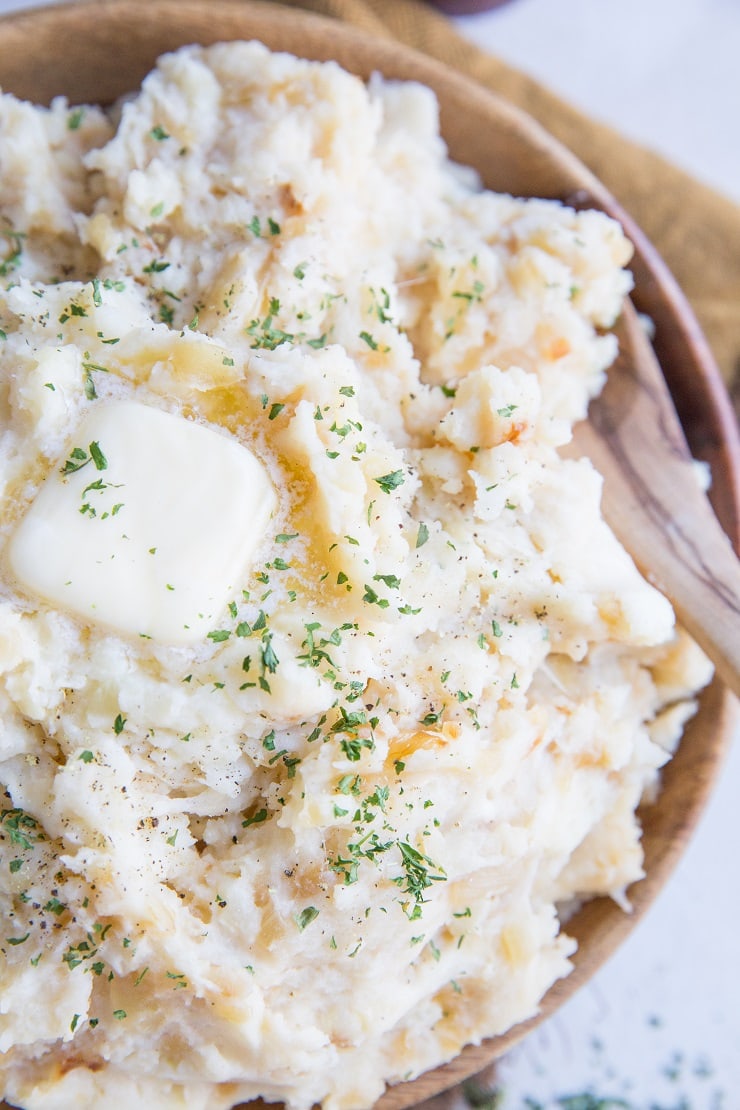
(312, 827)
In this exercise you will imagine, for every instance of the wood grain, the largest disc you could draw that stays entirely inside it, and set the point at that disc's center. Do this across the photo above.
(654, 502)
(96, 51)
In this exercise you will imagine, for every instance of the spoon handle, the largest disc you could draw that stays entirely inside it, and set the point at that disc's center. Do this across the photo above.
(655, 505)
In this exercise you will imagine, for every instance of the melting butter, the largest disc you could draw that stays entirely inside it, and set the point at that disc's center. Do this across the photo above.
(146, 526)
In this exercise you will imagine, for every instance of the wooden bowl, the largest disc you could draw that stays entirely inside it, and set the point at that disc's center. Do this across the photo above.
(95, 51)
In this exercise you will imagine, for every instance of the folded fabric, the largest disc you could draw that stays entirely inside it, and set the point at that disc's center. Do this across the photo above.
(696, 229)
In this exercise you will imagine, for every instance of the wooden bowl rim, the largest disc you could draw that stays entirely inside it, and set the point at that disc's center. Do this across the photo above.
(604, 925)
(656, 291)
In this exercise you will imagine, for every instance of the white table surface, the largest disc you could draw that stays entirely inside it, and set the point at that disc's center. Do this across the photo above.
(659, 1027)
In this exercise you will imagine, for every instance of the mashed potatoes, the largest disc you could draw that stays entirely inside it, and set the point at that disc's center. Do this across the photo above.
(320, 844)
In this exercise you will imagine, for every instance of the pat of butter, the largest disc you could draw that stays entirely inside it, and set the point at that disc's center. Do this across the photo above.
(147, 526)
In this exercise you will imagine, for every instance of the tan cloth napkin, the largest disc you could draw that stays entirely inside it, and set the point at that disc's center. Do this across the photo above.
(695, 229)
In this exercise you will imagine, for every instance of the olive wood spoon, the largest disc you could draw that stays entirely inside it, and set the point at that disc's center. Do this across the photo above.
(654, 503)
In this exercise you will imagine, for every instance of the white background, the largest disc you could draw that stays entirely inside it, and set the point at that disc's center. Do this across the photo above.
(659, 1027)
(666, 72)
